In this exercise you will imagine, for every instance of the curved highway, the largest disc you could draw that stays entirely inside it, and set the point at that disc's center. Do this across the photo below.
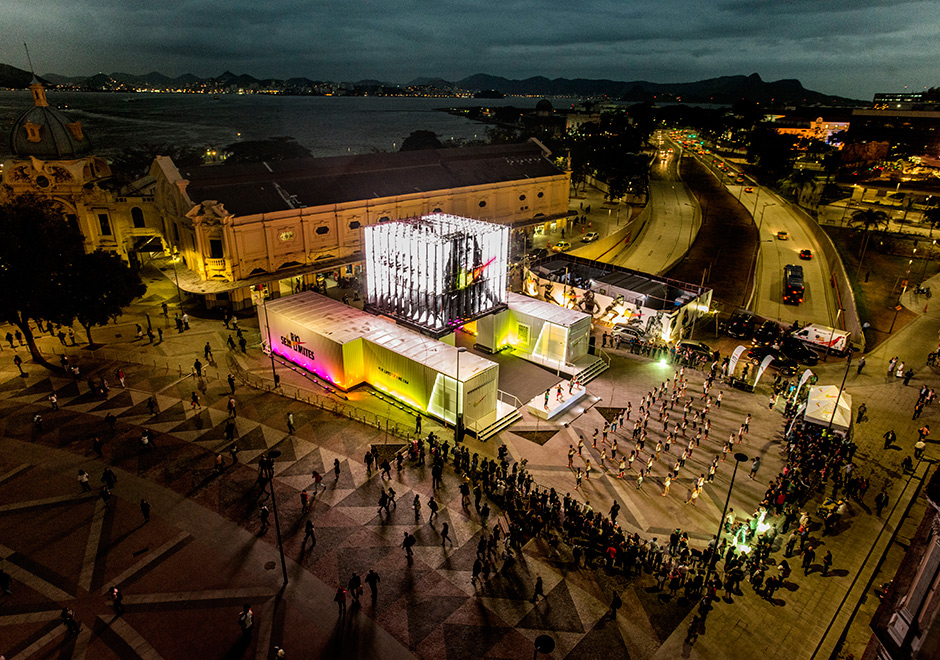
(671, 227)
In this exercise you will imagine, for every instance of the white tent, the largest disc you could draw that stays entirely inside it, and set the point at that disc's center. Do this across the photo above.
(822, 402)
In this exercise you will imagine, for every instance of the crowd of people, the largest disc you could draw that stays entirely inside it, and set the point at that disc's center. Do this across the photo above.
(665, 433)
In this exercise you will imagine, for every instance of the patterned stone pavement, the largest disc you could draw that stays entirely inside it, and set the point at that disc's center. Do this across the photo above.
(63, 547)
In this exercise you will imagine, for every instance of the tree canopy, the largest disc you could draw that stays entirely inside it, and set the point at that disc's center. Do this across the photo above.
(46, 275)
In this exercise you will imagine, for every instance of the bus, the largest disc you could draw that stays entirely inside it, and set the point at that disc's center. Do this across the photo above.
(793, 285)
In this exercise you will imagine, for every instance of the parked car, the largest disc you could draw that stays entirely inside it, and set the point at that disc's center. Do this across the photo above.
(696, 347)
(767, 333)
(741, 326)
(806, 255)
(625, 332)
(794, 348)
(782, 363)
(561, 246)
(590, 237)
(538, 253)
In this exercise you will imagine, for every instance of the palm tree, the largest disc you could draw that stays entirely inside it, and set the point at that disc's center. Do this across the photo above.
(799, 180)
(868, 219)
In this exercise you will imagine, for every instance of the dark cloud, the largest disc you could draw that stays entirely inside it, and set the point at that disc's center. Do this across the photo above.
(850, 47)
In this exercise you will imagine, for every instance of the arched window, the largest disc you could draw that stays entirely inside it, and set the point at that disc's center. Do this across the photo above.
(137, 216)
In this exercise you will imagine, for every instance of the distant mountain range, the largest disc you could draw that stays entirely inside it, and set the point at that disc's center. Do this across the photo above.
(723, 90)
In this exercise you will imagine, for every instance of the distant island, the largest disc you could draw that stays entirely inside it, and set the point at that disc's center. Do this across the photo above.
(723, 90)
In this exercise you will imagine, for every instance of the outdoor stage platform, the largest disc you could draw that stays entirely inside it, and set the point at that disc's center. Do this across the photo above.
(551, 407)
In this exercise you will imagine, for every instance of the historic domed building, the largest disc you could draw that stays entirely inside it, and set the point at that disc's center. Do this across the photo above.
(53, 158)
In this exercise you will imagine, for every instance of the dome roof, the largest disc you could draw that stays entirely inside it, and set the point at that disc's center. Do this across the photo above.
(46, 133)
(544, 106)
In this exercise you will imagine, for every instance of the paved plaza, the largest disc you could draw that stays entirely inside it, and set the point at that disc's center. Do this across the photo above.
(186, 573)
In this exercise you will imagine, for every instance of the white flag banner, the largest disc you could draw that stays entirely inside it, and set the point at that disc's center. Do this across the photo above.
(803, 379)
(763, 367)
(734, 359)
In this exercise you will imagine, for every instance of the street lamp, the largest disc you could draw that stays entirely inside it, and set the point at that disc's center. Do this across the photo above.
(739, 457)
(848, 362)
(269, 473)
(267, 326)
(831, 334)
(179, 292)
(761, 221)
(458, 409)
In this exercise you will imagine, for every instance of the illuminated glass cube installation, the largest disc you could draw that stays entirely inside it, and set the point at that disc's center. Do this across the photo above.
(436, 272)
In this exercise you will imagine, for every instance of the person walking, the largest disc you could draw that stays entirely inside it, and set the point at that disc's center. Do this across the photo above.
(693, 631)
(408, 543)
(304, 501)
(194, 401)
(881, 501)
(207, 352)
(827, 562)
(309, 533)
(336, 469)
(197, 367)
(231, 408)
(121, 377)
(889, 437)
(145, 510)
(755, 466)
(246, 621)
(372, 579)
(861, 365)
(445, 535)
(809, 555)
(290, 423)
(862, 409)
(340, 600)
(83, 481)
(231, 382)
(539, 589)
(117, 600)
(265, 514)
(68, 618)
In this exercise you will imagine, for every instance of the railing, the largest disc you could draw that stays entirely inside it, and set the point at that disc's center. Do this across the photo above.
(324, 402)
(508, 399)
(215, 263)
(213, 372)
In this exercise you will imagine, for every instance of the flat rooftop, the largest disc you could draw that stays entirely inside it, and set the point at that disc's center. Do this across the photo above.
(547, 311)
(661, 293)
(343, 324)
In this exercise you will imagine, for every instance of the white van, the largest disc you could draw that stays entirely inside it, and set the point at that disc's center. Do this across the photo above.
(820, 336)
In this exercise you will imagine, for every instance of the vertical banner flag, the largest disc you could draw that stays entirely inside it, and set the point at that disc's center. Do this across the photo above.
(763, 367)
(734, 359)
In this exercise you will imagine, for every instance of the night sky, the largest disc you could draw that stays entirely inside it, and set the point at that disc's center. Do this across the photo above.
(848, 47)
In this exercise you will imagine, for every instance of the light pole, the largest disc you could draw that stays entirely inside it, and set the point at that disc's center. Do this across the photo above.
(458, 409)
(179, 292)
(739, 458)
(927, 255)
(831, 334)
(269, 473)
(848, 362)
(267, 327)
(761, 221)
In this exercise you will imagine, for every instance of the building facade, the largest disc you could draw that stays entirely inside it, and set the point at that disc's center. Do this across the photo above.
(907, 624)
(53, 159)
(236, 227)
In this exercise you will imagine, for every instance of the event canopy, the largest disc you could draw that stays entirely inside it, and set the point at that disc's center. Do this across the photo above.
(820, 405)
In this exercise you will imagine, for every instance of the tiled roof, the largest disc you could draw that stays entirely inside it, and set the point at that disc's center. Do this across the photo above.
(251, 188)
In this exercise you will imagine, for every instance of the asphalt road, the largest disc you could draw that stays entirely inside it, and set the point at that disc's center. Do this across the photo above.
(772, 215)
(672, 223)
